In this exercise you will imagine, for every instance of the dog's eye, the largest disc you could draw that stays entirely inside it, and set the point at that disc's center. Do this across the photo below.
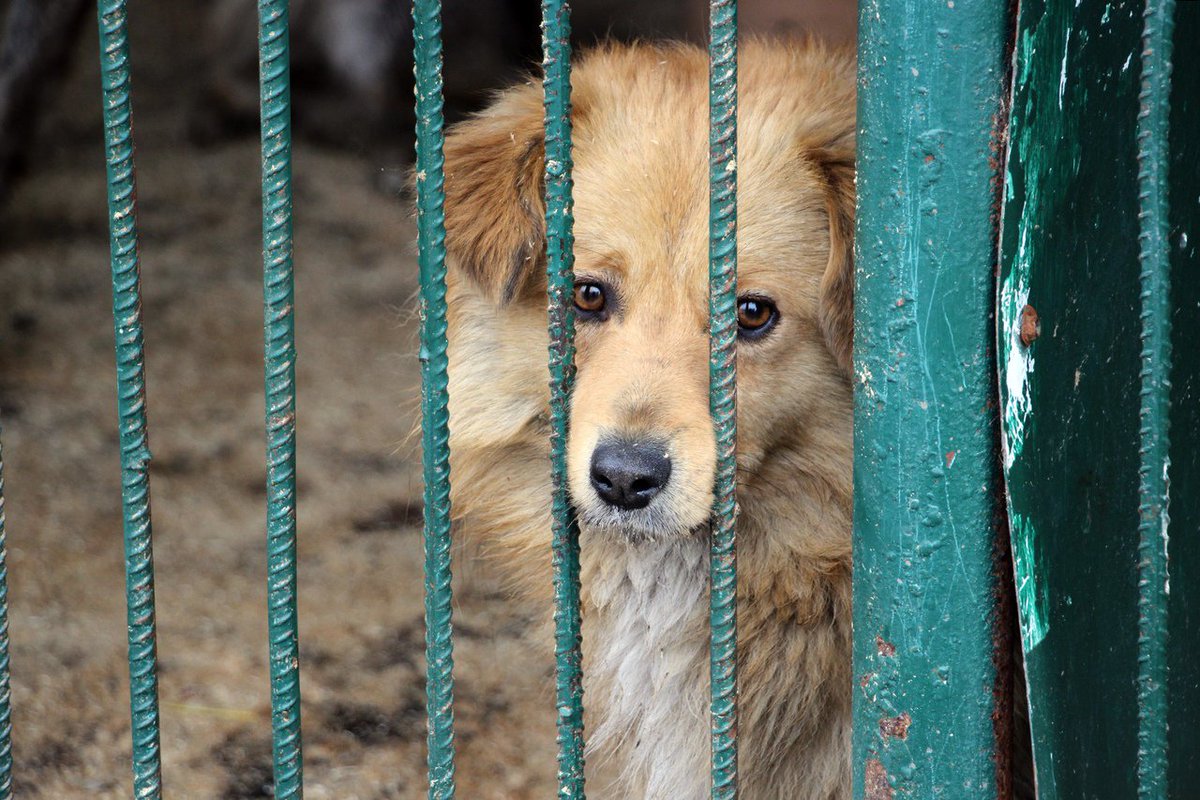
(756, 316)
(590, 301)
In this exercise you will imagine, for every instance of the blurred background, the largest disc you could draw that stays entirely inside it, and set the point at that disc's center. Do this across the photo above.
(195, 115)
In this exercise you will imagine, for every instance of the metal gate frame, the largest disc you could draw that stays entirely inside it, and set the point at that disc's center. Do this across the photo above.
(932, 581)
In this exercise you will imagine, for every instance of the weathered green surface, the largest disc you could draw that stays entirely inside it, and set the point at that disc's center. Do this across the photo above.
(6, 763)
(560, 279)
(1183, 657)
(722, 310)
(932, 78)
(435, 416)
(1154, 583)
(280, 372)
(131, 397)
(1069, 399)
(1064, 599)
(1070, 411)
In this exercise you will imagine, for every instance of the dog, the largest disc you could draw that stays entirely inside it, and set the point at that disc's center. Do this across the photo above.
(641, 447)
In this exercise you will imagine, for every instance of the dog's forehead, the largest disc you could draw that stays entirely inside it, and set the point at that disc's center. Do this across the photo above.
(641, 208)
(641, 154)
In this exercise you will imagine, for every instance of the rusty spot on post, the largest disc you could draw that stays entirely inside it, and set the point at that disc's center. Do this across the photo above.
(1031, 326)
(895, 727)
(875, 784)
(884, 647)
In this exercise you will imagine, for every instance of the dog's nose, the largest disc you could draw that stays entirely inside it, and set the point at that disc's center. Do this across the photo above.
(628, 475)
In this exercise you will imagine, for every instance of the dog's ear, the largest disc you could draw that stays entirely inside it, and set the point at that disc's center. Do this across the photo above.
(836, 310)
(495, 228)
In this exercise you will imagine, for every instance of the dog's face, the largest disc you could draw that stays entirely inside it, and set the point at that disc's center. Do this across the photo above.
(642, 451)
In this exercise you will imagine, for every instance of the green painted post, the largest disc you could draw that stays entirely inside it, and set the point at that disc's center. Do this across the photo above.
(1066, 376)
(560, 259)
(435, 417)
(6, 762)
(1154, 453)
(929, 710)
(722, 309)
(1081, 460)
(280, 382)
(131, 398)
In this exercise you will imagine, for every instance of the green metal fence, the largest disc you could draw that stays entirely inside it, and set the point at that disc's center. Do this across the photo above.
(560, 284)
(949, 138)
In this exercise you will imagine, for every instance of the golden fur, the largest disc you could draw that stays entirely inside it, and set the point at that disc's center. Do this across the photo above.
(641, 210)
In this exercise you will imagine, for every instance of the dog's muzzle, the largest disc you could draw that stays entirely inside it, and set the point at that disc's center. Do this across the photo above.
(627, 475)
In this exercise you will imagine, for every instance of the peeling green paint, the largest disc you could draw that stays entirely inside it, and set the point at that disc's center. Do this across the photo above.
(1032, 599)
(1016, 358)
(1069, 396)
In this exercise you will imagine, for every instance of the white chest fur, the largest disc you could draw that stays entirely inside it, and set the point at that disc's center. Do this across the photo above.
(648, 648)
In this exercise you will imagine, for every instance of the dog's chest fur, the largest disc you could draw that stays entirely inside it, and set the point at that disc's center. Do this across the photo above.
(648, 660)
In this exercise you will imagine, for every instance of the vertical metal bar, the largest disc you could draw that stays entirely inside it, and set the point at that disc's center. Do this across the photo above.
(6, 761)
(560, 259)
(722, 277)
(929, 703)
(1153, 477)
(435, 417)
(280, 383)
(1183, 651)
(131, 397)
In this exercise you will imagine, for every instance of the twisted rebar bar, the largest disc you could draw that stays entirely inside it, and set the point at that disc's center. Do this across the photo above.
(1154, 453)
(560, 238)
(280, 382)
(131, 398)
(722, 55)
(431, 242)
(5, 687)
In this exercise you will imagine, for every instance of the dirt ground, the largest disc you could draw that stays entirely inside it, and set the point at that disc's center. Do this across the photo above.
(359, 483)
